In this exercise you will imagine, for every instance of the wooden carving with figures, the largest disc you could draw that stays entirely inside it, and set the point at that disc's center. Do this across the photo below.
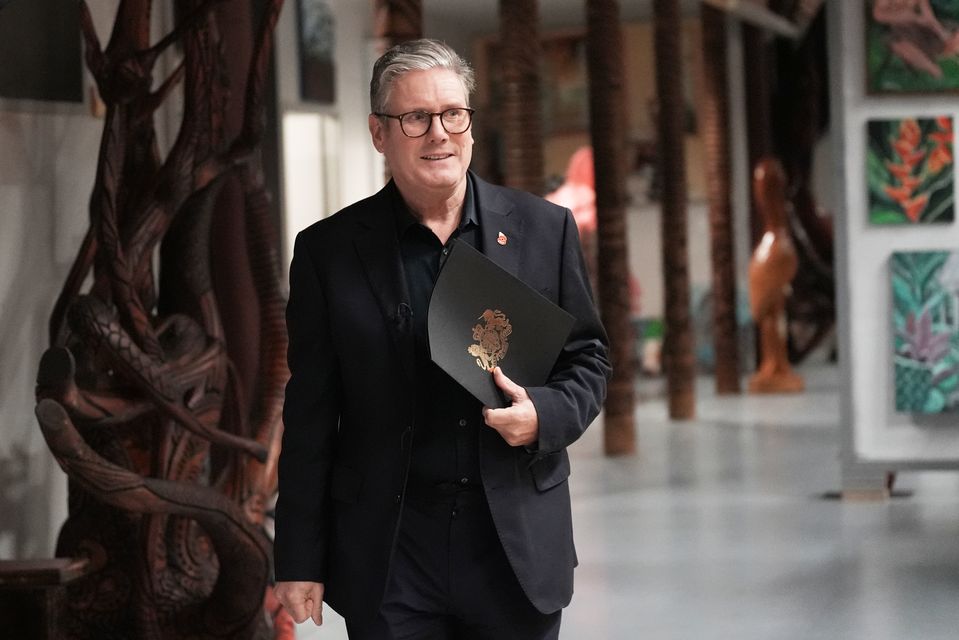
(171, 463)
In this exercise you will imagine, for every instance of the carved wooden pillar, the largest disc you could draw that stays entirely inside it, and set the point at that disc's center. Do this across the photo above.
(139, 397)
(230, 262)
(758, 109)
(521, 122)
(678, 343)
(800, 116)
(604, 50)
(716, 138)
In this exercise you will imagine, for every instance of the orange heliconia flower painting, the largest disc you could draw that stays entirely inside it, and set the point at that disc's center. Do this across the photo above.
(910, 171)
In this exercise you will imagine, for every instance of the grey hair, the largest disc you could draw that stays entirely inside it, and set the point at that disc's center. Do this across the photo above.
(415, 55)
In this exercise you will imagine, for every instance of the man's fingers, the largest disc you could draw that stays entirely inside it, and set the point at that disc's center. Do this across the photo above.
(301, 599)
(499, 417)
(316, 595)
(299, 609)
(510, 388)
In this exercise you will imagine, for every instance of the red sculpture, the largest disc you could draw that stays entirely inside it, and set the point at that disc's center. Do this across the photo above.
(771, 269)
(138, 397)
(578, 194)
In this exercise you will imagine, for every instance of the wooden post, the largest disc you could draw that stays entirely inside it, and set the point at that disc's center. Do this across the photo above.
(522, 117)
(604, 50)
(678, 343)
(716, 138)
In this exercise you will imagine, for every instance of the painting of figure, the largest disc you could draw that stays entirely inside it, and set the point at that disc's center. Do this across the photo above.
(316, 46)
(909, 171)
(912, 46)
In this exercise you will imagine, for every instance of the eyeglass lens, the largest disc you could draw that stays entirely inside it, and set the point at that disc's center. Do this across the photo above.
(417, 123)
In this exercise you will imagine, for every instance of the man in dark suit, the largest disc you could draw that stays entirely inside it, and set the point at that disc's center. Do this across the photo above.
(407, 506)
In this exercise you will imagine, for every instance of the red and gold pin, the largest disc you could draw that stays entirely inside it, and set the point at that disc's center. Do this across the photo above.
(501, 239)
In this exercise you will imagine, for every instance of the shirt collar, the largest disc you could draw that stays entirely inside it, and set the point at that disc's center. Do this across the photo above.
(405, 219)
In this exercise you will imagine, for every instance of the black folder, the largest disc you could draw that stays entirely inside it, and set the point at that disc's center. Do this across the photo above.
(482, 316)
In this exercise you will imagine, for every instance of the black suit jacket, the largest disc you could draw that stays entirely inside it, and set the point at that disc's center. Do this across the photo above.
(349, 410)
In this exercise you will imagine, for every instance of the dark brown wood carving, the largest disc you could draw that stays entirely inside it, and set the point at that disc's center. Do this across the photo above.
(171, 466)
(801, 116)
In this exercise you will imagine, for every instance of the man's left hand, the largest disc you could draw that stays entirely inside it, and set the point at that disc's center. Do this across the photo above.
(518, 424)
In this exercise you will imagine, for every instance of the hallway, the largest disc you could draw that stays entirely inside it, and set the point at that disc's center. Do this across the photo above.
(718, 529)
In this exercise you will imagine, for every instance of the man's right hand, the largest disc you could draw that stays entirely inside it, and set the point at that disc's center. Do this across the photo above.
(301, 599)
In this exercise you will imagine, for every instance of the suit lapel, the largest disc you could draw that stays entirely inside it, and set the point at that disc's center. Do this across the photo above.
(378, 248)
(502, 232)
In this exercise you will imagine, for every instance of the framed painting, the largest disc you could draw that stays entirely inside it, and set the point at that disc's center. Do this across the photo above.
(316, 46)
(563, 82)
(40, 50)
(925, 311)
(564, 103)
(912, 46)
(910, 171)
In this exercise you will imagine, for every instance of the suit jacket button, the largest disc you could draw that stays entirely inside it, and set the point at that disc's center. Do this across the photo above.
(399, 496)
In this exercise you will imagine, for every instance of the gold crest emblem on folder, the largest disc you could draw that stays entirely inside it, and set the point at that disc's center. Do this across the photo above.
(492, 336)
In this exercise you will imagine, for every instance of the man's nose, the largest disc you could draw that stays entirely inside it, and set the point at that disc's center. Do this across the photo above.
(437, 130)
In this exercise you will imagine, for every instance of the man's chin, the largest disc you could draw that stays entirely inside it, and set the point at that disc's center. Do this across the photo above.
(438, 179)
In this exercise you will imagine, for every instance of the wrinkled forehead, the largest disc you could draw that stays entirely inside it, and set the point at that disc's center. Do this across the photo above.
(433, 88)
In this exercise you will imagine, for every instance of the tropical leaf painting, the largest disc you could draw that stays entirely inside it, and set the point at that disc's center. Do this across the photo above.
(912, 45)
(925, 311)
(909, 171)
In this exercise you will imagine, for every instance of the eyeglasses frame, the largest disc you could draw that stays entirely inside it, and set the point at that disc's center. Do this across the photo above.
(431, 114)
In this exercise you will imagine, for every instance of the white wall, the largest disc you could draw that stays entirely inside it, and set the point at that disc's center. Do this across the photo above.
(47, 169)
(644, 224)
(327, 157)
(875, 434)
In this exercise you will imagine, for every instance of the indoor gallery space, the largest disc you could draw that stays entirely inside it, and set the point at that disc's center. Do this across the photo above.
(727, 402)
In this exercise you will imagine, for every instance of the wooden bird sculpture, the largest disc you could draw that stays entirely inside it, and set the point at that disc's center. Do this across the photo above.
(771, 270)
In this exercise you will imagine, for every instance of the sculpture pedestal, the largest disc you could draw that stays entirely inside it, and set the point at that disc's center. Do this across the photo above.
(32, 595)
(778, 382)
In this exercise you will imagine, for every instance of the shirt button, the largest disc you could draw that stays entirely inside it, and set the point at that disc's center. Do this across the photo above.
(464, 480)
(462, 422)
(399, 496)
(446, 251)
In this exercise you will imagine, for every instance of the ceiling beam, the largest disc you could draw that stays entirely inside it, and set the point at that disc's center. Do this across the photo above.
(759, 16)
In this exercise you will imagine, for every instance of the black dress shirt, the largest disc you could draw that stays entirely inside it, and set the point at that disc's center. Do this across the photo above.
(445, 445)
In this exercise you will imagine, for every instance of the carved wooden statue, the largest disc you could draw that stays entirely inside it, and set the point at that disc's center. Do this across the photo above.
(138, 397)
(771, 269)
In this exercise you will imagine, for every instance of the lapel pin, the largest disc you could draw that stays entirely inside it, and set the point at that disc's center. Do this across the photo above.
(501, 239)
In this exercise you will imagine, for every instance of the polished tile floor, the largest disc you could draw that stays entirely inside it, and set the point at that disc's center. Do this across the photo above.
(719, 529)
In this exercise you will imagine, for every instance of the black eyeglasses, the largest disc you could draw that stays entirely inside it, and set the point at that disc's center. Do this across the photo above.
(415, 124)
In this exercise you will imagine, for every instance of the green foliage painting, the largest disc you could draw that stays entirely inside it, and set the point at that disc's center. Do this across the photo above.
(925, 309)
(909, 171)
(912, 45)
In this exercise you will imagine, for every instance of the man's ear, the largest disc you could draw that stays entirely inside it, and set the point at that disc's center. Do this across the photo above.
(377, 132)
